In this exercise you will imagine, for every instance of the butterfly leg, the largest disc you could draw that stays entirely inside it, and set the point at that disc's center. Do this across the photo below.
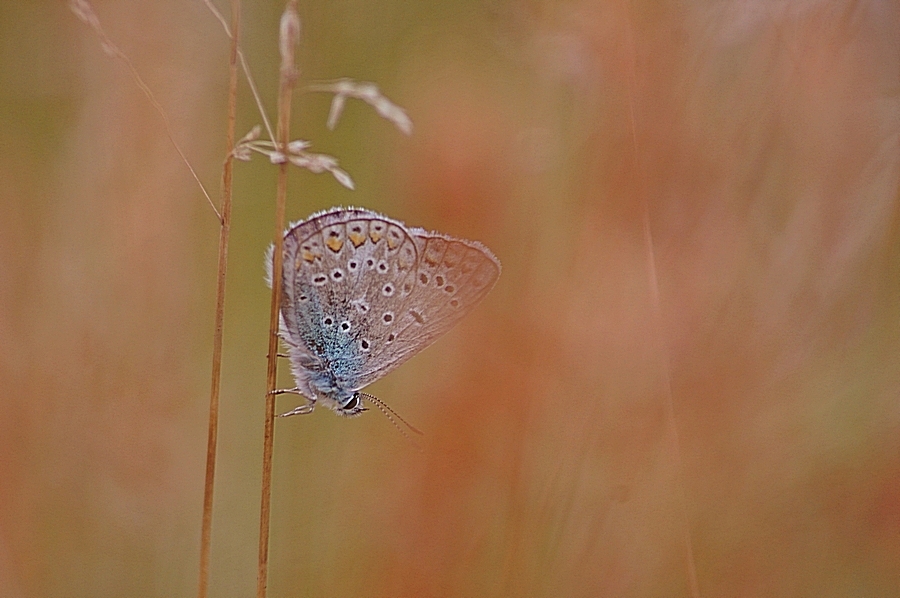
(286, 391)
(300, 410)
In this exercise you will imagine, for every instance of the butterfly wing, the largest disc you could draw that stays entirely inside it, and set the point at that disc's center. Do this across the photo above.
(449, 278)
(344, 272)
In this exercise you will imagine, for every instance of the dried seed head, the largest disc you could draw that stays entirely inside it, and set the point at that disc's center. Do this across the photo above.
(289, 36)
(343, 178)
(253, 135)
(337, 107)
(297, 145)
(367, 92)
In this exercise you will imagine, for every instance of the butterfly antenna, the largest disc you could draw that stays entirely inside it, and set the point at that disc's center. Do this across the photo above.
(393, 417)
(385, 409)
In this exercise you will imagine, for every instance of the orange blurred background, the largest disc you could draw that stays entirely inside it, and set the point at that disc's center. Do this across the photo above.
(694, 341)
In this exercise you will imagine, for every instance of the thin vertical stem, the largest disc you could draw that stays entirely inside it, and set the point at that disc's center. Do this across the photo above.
(670, 411)
(693, 586)
(224, 231)
(289, 35)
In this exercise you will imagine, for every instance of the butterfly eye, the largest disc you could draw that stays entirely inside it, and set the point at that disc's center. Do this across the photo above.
(352, 406)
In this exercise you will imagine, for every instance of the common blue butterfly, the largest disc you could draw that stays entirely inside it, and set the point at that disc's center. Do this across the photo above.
(362, 293)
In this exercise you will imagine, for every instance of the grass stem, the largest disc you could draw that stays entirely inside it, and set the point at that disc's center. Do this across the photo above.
(288, 39)
(224, 231)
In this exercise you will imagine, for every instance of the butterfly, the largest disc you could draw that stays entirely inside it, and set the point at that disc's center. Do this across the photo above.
(362, 293)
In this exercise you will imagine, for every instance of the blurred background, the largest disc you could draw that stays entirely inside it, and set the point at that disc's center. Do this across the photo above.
(694, 341)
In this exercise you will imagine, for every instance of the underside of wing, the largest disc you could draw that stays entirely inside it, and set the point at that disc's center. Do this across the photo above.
(345, 272)
(450, 278)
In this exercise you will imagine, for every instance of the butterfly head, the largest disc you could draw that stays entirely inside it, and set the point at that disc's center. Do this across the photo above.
(350, 406)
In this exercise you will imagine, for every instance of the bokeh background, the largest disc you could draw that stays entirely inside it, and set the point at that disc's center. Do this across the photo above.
(690, 361)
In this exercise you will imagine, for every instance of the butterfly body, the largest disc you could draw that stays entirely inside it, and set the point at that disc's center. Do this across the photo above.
(362, 293)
